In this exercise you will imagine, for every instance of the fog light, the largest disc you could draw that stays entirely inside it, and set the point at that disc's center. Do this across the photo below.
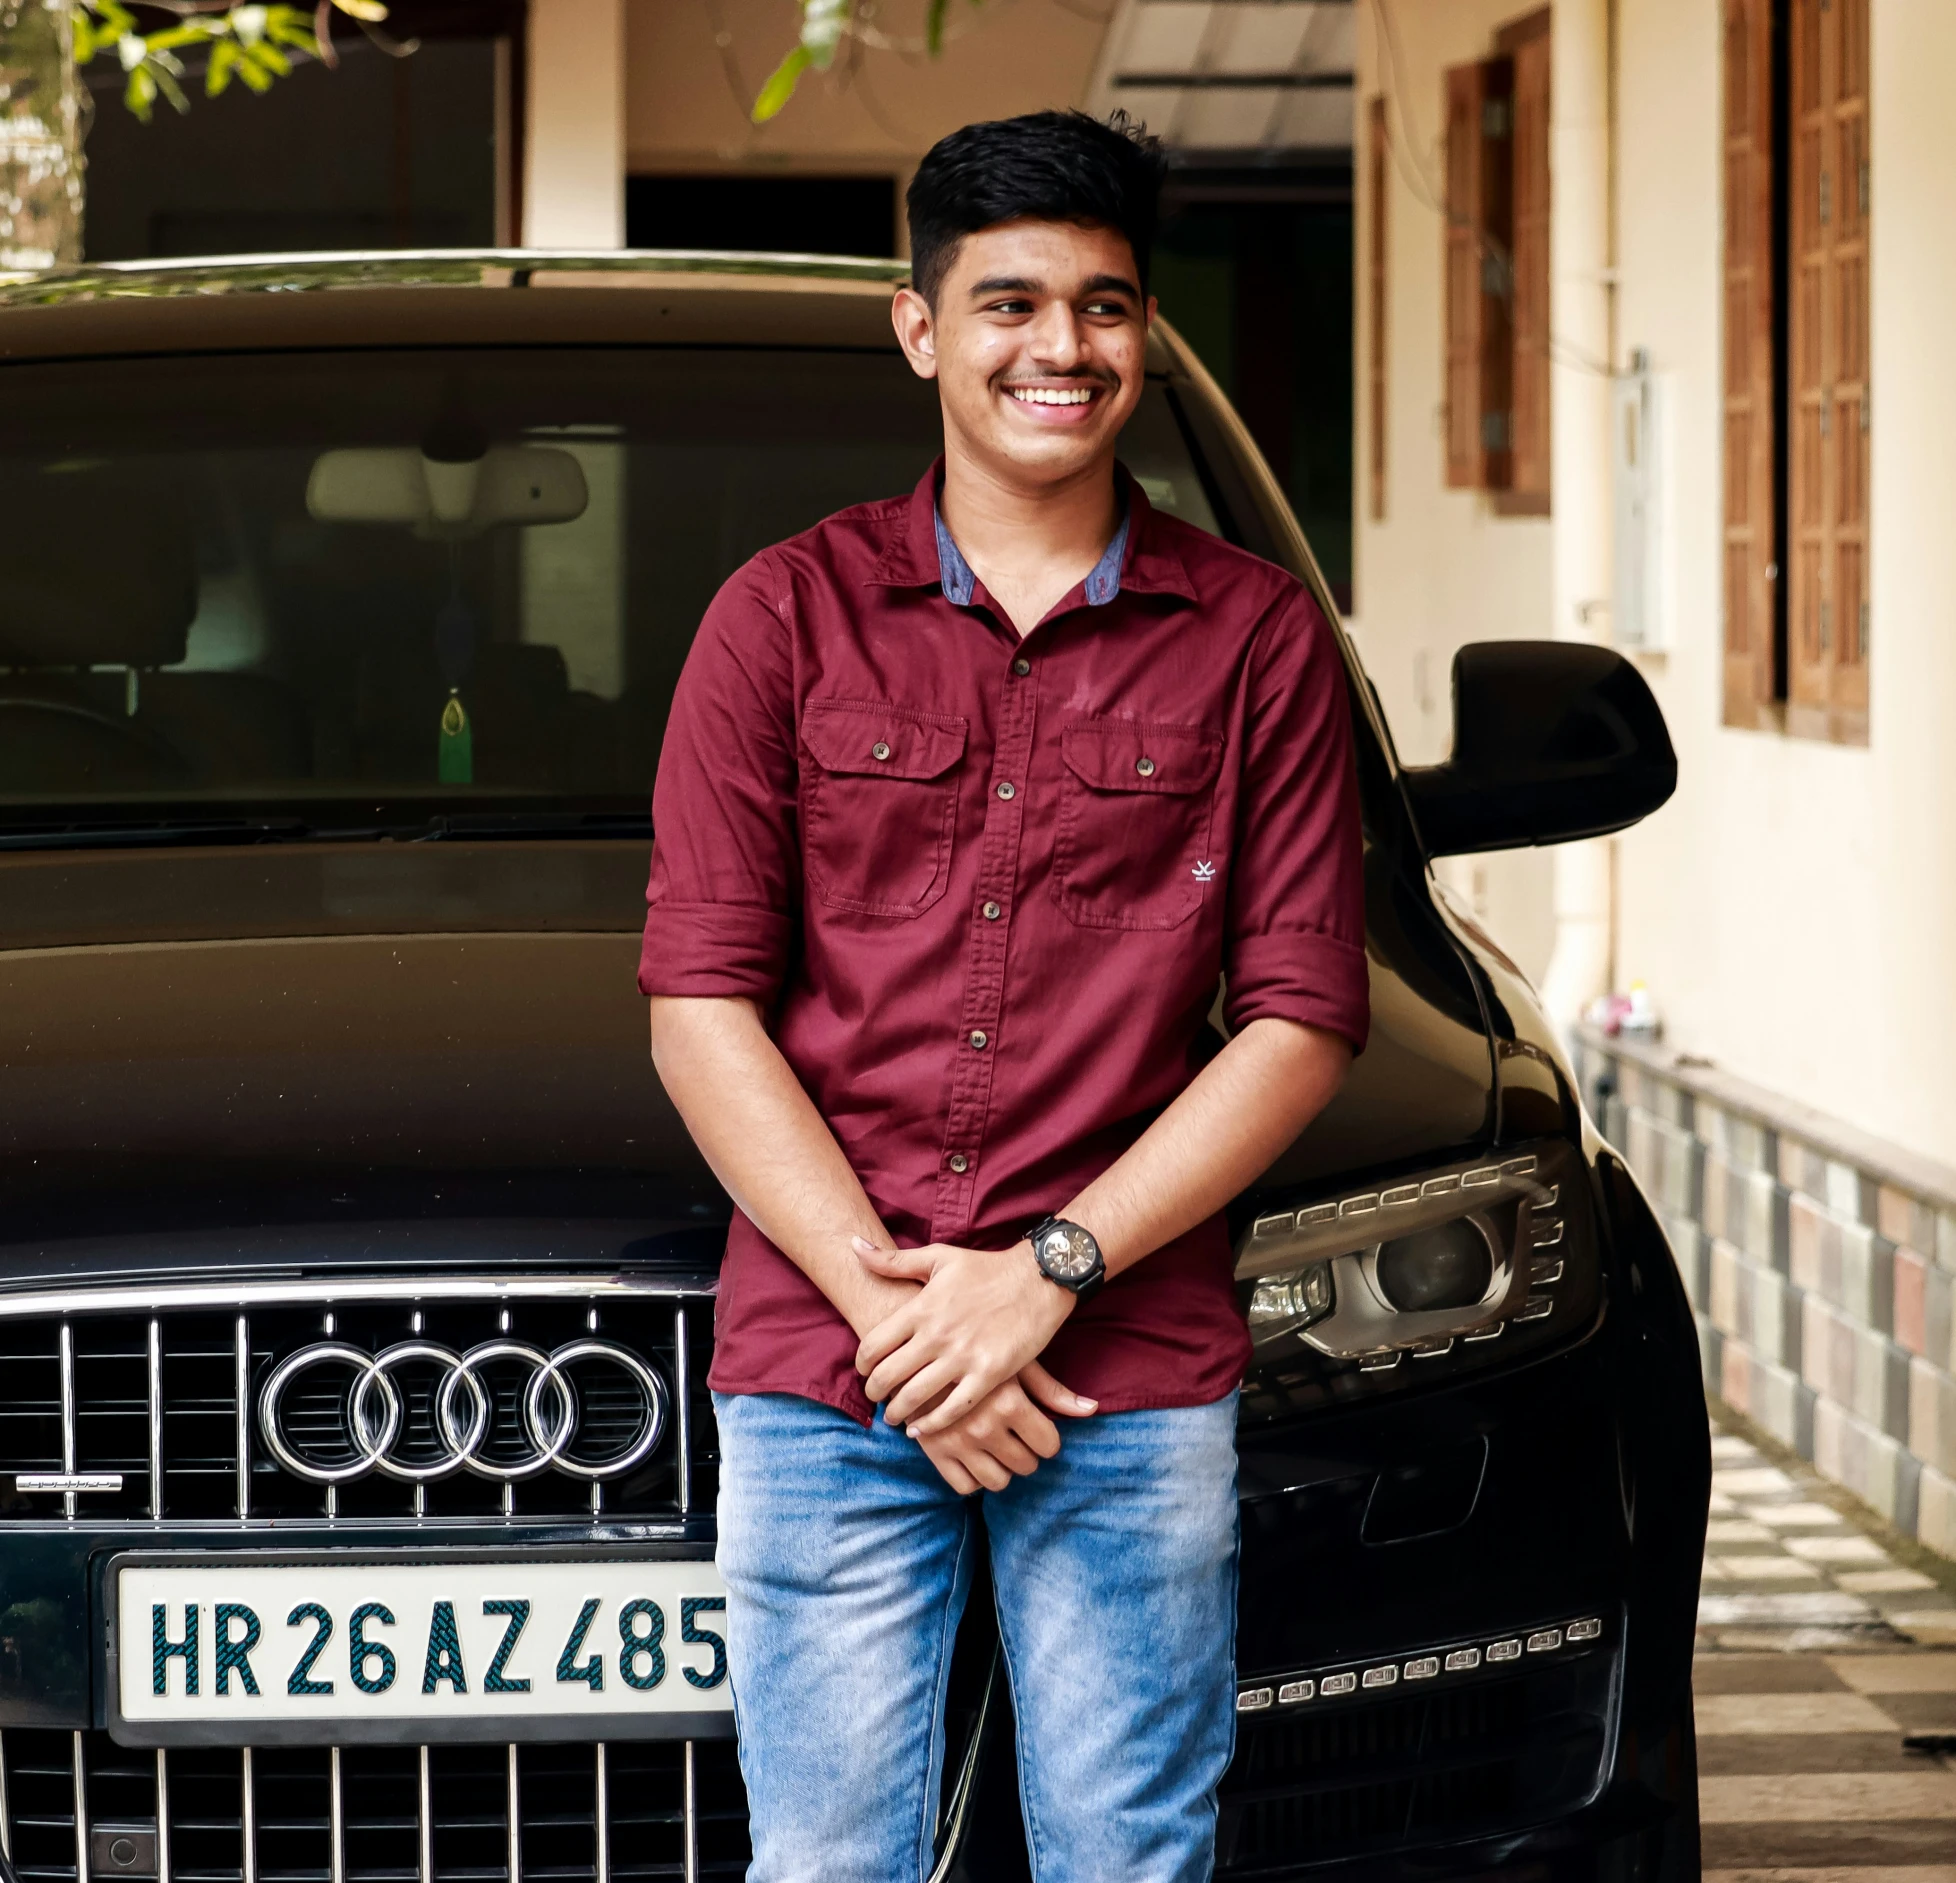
(1281, 1304)
(1447, 1266)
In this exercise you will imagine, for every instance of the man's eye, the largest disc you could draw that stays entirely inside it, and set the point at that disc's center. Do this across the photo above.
(1107, 310)
(1010, 307)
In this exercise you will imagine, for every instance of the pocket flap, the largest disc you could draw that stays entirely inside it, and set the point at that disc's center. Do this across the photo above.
(881, 740)
(1133, 755)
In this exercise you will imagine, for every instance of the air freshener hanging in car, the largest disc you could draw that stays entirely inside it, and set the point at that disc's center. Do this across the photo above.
(455, 748)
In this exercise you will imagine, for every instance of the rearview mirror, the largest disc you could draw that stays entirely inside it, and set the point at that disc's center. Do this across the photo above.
(400, 484)
(1552, 740)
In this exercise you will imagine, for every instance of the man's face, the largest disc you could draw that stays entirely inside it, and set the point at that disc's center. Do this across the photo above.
(1037, 344)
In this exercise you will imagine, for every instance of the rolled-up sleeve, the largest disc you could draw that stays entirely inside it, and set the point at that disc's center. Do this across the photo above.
(720, 905)
(1295, 948)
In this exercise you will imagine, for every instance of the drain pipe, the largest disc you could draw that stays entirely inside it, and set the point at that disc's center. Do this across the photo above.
(1582, 319)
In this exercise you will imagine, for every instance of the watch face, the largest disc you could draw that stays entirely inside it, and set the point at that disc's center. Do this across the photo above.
(1067, 1254)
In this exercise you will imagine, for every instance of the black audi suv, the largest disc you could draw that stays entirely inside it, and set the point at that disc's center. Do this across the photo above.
(356, 1277)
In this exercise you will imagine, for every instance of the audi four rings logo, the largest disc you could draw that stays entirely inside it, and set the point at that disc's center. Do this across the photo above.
(504, 1410)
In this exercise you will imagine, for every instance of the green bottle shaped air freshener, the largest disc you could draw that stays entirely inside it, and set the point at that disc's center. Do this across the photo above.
(455, 748)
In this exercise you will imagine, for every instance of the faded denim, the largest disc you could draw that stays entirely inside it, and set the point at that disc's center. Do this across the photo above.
(848, 1561)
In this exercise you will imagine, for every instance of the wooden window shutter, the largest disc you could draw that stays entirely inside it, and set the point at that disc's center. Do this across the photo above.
(1828, 398)
(1751, 549)
(1466, 457)
(1527, 493)
(1479, 264)
(1377, 177)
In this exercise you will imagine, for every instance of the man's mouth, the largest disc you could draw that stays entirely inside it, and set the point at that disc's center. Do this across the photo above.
(1054, 395)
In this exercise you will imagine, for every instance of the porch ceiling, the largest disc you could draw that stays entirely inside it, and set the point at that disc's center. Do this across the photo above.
(1247, 76)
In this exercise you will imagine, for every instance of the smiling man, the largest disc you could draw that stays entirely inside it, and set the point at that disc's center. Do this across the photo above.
(968, 801)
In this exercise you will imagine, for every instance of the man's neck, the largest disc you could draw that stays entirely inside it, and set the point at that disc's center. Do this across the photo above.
(1029, 543)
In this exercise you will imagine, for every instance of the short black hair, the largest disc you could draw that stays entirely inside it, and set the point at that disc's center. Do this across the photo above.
(1053, 166)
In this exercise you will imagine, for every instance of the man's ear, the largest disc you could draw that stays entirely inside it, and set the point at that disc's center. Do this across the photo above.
(1148, 313)
(916, 331)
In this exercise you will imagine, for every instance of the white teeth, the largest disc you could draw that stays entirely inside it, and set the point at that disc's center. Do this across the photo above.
(1045, 395)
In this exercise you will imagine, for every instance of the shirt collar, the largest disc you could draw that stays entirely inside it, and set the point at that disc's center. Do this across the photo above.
(1142, 558)
(960, 580)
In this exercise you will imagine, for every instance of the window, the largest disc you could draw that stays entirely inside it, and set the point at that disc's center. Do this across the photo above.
(1797, 410)
(1497, 271)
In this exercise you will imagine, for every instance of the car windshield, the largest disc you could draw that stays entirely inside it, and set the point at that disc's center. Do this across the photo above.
(355, 591)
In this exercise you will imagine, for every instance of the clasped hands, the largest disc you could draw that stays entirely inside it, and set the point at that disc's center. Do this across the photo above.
(957, 1361)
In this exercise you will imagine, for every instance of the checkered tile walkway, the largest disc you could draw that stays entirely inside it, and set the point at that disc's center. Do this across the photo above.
(1784, 1570)
(1814, 1668)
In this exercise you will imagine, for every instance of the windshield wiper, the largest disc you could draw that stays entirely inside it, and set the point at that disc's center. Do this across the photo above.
(161, 832)
(443, 827)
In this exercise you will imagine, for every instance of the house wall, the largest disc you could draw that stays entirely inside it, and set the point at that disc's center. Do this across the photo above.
(1791, 909)
(1440, 568)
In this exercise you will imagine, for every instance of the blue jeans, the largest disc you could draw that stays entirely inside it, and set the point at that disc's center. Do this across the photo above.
(847, 1561)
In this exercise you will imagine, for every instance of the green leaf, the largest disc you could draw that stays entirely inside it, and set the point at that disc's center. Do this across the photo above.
(934, 27)
(140, 93)
(173, 36)
(171, 90)
(224, 61)
(370, 10)
(780, 86)
(269, 59)
(83, 28)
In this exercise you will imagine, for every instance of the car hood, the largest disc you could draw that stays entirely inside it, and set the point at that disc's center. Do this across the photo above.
(298, 1030)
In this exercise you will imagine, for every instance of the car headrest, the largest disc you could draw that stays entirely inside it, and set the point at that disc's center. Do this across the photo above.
(99, 570)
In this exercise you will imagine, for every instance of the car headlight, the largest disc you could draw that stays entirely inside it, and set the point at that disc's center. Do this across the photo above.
(1365, 1291)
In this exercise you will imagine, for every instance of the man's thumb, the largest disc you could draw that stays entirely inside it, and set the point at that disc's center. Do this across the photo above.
(898, 1264)
(1041, 1387)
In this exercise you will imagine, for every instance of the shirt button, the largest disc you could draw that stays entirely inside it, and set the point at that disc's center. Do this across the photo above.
(992, 912)
(879, 750)
(1007, 789)
(1145, 766)
(1022, 666)
(959, 1162)
(979, 1041)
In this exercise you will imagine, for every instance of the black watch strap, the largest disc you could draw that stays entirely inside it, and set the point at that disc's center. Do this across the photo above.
(1069, 1257)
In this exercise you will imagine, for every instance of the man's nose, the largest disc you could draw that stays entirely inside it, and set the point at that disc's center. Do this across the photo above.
(1059, 341)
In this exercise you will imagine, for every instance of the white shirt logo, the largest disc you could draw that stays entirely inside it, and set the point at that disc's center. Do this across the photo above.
(1204, 872)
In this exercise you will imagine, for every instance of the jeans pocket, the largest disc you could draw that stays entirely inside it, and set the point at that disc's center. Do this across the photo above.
(879, 804)
(1134, 840)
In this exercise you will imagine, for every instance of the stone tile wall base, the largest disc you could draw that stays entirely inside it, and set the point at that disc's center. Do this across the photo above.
(1825, 1294)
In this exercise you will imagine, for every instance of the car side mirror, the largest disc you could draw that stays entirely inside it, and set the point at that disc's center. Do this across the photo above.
(1552, 740)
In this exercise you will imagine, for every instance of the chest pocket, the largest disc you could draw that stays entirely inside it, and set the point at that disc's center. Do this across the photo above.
(1134, 846)
(879, 804)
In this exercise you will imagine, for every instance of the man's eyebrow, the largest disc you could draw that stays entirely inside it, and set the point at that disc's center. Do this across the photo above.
(1025, 284)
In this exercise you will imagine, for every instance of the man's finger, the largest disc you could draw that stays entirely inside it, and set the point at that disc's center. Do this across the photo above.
(1048, 1392)
(897, 1264)
(954, 1474)
(884, 1339)
(938, 1378)
(967, 1394)
(984, 1467)
(1032, 1427)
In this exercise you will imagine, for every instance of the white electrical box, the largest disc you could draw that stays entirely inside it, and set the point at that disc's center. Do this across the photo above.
(1643, 600)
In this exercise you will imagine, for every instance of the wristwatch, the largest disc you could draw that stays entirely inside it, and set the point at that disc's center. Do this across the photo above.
(1068, 1255)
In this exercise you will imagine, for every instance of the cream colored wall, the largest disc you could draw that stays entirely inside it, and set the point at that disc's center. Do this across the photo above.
(1792, 910)
(1441, 568)
(877, 111)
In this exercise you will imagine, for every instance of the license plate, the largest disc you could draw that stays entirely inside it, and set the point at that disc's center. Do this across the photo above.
(242, 1651)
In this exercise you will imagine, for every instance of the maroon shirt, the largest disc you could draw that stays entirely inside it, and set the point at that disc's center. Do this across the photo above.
(984, 887)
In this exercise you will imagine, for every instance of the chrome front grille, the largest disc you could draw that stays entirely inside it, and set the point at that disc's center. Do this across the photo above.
(78, 1808)
(150, 1404)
